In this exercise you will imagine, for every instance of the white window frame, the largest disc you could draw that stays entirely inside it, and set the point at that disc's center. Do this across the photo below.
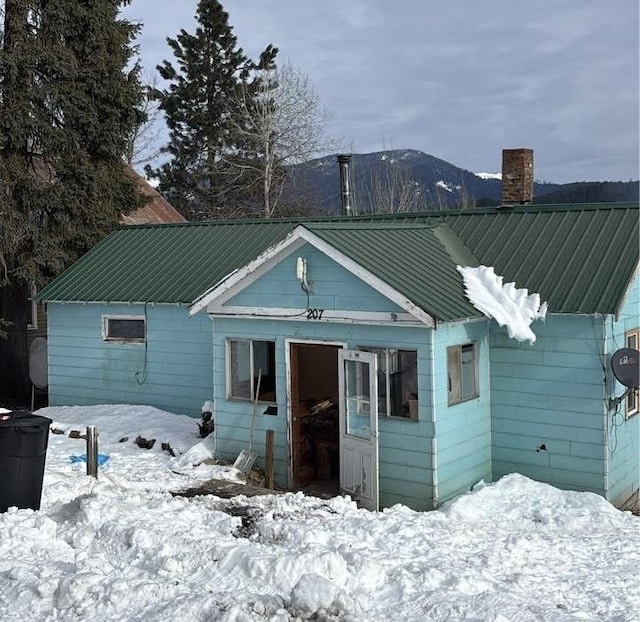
(33, 325)
(252, 370)
(105, 328)
(454, 381)
(632, 401)
(386, 351)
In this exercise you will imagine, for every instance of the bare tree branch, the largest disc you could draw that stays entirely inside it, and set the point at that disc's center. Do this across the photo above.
(145, 142)
(389, 188)
(282, 122)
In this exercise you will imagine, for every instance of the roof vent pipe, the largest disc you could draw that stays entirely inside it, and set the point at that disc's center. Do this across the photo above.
(345, 184)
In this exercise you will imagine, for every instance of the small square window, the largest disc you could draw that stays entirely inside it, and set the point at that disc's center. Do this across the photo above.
(397, 382)
(462, 369)
(252, 368)
(123, 328)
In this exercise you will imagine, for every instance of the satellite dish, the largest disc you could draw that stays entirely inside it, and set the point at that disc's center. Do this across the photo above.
(626, 368)
(38, 363)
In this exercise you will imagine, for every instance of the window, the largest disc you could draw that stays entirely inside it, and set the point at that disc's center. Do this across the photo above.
(128, 328)
(462, 367)
(397, 382)
(632, 340)
(32, 318)
(251, 366)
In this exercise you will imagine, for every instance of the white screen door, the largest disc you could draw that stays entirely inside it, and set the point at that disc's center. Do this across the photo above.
(358, 385)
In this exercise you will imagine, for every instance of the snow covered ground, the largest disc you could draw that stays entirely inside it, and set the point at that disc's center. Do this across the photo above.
(123, 548)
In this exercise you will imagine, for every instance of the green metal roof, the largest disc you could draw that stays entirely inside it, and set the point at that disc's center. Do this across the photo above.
(163, 263)
(417, 259)
(580, 258)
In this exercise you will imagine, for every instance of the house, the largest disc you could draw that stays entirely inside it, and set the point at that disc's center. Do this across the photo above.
(354, 341)
(156, 209)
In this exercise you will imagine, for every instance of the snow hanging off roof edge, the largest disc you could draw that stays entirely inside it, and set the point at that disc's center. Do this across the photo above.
(510, 307)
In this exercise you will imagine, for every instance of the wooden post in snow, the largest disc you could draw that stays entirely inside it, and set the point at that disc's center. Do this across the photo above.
(268, 459)
(92, 451)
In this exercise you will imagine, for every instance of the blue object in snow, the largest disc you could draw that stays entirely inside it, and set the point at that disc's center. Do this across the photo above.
(102, 459)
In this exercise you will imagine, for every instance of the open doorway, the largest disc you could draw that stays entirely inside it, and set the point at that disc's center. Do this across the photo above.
(315, 439)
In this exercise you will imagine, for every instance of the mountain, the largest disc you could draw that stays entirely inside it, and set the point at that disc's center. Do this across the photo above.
(593, 192)
(413, 180)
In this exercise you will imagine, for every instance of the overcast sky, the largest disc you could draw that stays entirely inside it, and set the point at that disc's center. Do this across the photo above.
(460, 80)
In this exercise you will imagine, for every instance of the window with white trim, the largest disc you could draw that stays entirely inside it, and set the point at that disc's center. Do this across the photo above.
(632, 340)
(462, 370)
(251, 370)
(397, 382)
(124, 328)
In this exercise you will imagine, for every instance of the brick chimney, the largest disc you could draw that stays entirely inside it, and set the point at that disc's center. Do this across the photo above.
(517, 176)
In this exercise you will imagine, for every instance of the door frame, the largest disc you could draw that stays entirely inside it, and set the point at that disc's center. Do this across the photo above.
(288, 342)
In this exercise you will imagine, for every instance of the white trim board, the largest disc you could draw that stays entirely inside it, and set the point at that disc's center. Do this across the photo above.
(235, 282)
(241, 278)
(303, 315)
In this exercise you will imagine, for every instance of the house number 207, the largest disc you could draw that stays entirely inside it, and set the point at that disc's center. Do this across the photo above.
(314, 314)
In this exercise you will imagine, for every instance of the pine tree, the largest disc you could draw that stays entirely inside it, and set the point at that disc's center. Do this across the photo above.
(198, 105)
(67, 104)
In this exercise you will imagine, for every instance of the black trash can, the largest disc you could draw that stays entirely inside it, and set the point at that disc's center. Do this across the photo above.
(23, 450)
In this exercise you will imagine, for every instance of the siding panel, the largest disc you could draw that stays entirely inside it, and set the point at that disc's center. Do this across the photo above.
(463, 430)
(333, 287)
(84, 369)
(550, 393)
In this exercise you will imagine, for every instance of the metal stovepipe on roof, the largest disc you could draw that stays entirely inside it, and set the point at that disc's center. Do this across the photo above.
(345, 184)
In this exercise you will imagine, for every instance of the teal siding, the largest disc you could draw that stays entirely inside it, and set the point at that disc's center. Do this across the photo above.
(84, 369)
(404, 446)
(332, 287)
(463, 430)
(550, 393)
(624, 433)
